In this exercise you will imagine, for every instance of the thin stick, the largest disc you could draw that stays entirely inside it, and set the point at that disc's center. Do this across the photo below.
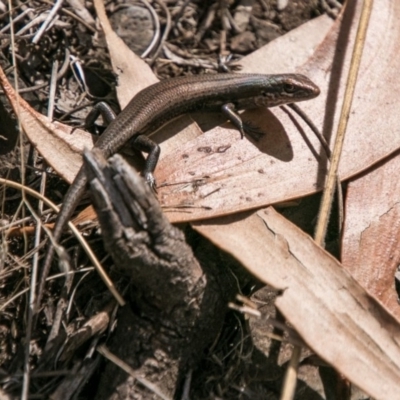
(289, 383)
(329, 190)
(103, 350)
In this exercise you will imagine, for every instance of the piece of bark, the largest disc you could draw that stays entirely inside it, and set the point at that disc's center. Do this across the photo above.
(174, 309)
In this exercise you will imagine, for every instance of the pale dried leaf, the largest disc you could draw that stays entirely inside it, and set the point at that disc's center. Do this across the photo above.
(133, 73)
(206, 185)
(327, 307)
(61, 145)
(371, 235)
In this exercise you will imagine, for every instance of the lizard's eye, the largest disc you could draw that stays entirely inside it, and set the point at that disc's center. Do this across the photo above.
(289, 88)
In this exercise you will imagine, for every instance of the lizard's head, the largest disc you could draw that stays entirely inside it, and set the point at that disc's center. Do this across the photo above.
(286, 88)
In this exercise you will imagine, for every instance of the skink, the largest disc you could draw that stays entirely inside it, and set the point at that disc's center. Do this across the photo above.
(160, 103)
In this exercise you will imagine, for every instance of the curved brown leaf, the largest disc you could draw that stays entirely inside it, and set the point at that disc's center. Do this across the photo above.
(60, 144)
(327, 307)
(371, 235)
(203, 186)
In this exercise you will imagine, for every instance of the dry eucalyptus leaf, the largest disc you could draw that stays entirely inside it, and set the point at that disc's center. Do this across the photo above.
(200, 185)
(371, 235)
(60, 144)
(333, 314)
(133, 73)
(221, 153)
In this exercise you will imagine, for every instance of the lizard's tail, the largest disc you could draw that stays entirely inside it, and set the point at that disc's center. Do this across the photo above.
(71, 200)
